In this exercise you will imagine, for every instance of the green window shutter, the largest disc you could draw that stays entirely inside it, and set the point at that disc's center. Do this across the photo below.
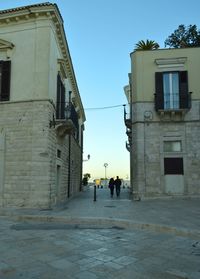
(183, 90)
(58, 103)
(5, 80)
(159, 97)
(60, 106)
(62, 101)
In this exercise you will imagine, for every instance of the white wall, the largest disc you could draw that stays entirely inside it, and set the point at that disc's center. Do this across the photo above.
(29, 59)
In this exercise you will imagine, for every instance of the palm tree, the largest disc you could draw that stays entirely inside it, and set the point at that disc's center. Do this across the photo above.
(148, 45)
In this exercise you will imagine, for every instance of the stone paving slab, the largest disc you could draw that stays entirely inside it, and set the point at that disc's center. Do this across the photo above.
(109, 238)
(94, 253)
(180, 216)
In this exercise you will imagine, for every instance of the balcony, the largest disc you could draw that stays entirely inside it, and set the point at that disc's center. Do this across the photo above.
(175, 103)
(127, 119)
(129, 134)
(66, 119)
(128, 147)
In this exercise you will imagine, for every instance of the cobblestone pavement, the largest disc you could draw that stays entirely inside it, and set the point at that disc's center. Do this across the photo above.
(37, 249)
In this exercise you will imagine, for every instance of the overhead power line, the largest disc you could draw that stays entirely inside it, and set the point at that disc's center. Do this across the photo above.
(109, 107)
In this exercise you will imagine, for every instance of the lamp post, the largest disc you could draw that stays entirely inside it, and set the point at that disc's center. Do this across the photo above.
(88, 158)
(105, 166)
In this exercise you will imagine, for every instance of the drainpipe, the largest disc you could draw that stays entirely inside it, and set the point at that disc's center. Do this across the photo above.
(69, 154)
(145, 157)
(81, 172)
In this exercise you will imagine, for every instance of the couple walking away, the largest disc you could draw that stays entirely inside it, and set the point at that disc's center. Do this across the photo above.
(115, 184)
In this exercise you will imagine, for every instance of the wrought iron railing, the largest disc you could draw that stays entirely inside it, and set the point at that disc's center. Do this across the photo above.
(171, 101)
(175, 101)
(67, 111)
(127, 118)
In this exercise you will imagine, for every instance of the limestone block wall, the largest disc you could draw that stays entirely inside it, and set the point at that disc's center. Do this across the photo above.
(26, 159)
(149, 131)
(193, 157)
(31, 155)
(76, 167)
(70, 168)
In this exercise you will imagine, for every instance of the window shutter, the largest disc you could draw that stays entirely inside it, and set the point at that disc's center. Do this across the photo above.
(5, 80)
(159, 97)
(62, 101)
(58, 97)
(60, 106)
(183, 90)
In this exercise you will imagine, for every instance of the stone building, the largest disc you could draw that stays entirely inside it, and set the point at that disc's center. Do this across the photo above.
(41, 113)
(164, 124)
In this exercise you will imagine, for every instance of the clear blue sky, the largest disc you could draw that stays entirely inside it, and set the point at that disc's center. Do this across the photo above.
(101, 34)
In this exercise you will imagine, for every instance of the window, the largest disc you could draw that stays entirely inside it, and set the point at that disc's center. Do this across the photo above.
(58, 153)
(172, 146)
(60, 106)
(171, 91)
(173, 166)
(5, 80)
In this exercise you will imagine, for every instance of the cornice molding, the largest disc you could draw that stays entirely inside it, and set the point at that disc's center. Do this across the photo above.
(171, 62)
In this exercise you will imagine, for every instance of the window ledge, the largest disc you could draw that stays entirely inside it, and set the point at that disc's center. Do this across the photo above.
(172, 114)
(173, 111)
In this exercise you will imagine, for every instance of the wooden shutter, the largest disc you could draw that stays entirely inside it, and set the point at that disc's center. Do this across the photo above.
(58, 98)
(159, 97)
(5, 80)
(183, 90)
(62, 101)
(60, 106)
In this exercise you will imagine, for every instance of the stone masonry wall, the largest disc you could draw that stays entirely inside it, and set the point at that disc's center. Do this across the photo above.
(26, 161)
(149, 131)
(76, 168)
(28, 149)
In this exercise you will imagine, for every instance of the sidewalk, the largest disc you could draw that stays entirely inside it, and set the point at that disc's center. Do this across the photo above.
(180, 216)
(109, 238)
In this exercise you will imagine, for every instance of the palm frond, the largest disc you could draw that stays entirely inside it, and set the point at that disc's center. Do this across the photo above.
(148, 45)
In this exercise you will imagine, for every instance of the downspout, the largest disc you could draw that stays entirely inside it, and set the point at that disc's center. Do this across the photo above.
(145, 179)
(69, 155)
(81, 172)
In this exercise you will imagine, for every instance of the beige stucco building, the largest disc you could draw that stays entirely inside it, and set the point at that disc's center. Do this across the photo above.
(163, 127)
(41, 113)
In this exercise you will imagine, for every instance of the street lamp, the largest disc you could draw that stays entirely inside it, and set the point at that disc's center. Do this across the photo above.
(105, 166)
(88, 158)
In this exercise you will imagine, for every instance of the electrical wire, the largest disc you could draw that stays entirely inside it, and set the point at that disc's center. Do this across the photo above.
(109, 107)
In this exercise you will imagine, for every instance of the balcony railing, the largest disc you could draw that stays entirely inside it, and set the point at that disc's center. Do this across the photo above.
(127, 119)
(173, 102)
(128, 147)
(70, 113)
(66, 118)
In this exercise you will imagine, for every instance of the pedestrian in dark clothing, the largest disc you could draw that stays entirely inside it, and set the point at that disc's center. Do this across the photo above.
(111, 185)
(118, 186)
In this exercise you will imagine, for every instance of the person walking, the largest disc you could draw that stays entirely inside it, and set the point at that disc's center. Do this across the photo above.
(118, 185)
(111, 185)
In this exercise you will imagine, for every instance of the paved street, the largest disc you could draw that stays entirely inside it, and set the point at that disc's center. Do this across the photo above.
(109, 238)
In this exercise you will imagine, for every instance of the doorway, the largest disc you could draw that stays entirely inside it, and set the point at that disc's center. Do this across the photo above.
(174, 175)
(58, 178)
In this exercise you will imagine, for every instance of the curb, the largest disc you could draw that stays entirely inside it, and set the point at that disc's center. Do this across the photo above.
(98, 223)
